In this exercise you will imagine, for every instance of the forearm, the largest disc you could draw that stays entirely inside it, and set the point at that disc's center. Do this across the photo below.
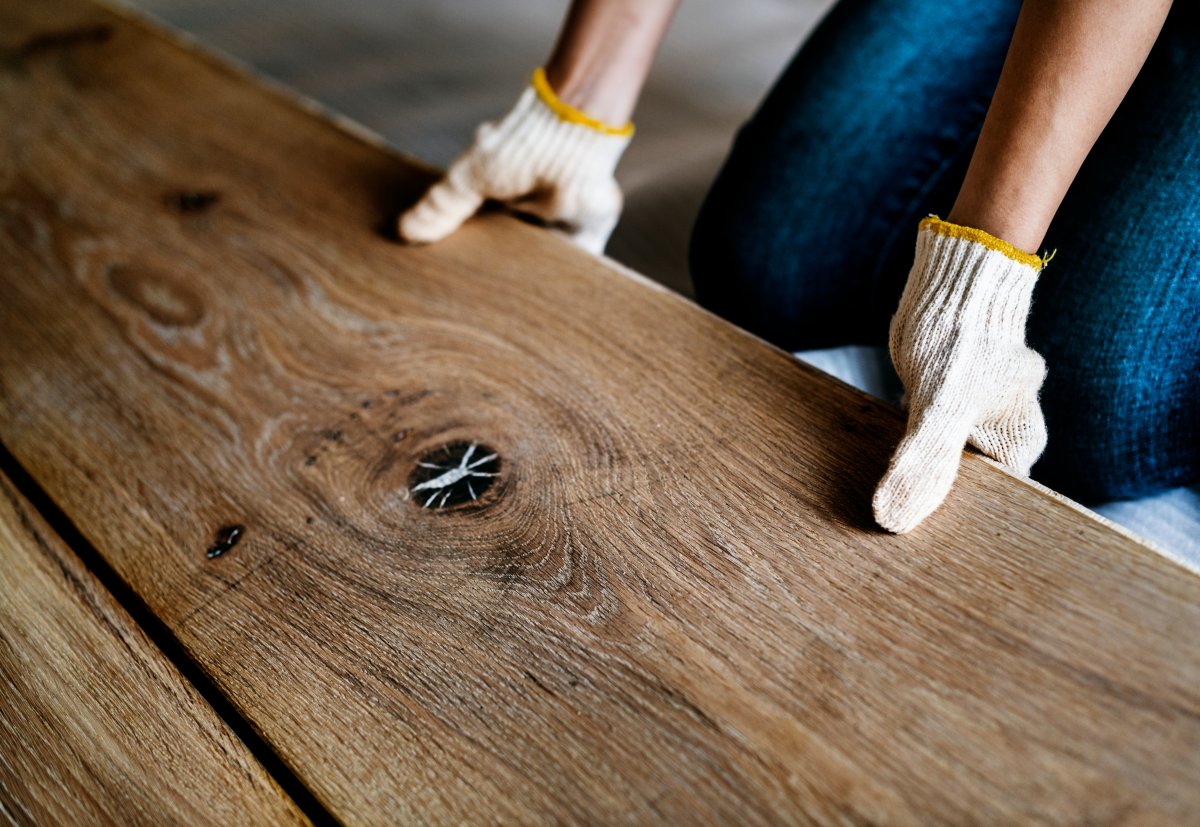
(1070, 64)
(604, 53)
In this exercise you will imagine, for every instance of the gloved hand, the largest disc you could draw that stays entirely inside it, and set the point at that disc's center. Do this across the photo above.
(544, 158)
(958, 343)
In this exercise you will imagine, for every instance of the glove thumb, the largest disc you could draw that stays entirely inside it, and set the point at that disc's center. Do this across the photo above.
(442, 210)
(922, 470)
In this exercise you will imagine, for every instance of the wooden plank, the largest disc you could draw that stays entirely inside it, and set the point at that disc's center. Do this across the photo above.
(97, 726)
(671, 606)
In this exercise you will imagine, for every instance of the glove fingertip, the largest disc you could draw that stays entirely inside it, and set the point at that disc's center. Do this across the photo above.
(1016, 438)
(440, 212)
(417, 227)
(919, 477)
(894, 507)
(594, 232)
(594, 240)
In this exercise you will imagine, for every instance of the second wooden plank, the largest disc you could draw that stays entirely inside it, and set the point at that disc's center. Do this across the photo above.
(96, 725)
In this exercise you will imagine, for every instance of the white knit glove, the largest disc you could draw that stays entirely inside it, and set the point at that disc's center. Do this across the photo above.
(544, 158)
(958, 343)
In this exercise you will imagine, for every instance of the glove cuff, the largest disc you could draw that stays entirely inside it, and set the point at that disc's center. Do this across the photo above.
(570, 114)
(533, 140)
(937, 226)
(973, 275)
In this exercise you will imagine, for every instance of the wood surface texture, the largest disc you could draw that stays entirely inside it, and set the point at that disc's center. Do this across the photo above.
(671, 606)
(96, 725)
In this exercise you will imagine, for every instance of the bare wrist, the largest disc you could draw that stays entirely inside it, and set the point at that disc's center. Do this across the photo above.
(604, 53)
(606, 95)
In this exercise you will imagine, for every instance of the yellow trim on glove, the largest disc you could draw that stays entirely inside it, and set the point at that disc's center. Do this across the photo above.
(569, 113)
(937, 225)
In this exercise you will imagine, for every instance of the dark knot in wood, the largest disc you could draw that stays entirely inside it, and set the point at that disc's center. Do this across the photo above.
(192, 202)
(458, 472)
(227, 538)
(66, 39)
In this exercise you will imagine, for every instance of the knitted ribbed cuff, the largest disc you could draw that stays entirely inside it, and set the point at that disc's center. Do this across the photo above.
(569, 113)
(972, 275)
(936, 225)
(534, 135)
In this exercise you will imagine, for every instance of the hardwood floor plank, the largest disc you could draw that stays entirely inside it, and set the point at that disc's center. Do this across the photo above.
(97, 726)
(669, 606)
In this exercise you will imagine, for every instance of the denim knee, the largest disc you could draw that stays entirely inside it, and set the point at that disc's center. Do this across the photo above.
(1120, 431)
(715, 260)
(807, 234)
(785, 281)
(730, 258)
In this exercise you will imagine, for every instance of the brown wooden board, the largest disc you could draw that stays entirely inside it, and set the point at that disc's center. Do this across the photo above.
(670, 606)
(96, 725)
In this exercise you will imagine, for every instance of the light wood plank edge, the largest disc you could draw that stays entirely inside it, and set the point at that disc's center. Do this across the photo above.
(1191, 567)
(175, 712)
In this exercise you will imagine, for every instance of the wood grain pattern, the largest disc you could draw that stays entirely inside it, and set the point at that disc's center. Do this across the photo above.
(96, 725)
(672, 605)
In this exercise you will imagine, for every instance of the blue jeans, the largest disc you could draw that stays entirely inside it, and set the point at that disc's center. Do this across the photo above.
(807, 235)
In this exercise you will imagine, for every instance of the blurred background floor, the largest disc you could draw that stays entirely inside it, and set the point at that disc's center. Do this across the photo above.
(425, 73)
